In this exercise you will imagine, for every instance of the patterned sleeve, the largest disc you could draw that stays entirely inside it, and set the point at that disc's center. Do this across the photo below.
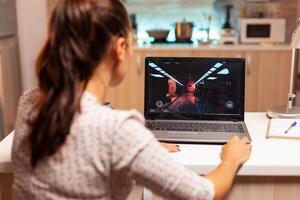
(147, 162)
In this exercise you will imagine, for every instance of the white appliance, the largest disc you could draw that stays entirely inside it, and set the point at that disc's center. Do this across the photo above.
(262, 30)
(228, 36)
(10, 76)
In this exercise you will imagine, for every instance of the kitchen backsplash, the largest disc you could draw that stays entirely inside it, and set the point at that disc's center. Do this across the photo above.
(163, 14)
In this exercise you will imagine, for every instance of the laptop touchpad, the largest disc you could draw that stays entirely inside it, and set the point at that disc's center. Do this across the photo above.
(187, 134)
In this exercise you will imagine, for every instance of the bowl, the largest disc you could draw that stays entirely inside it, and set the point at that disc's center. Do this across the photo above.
(158, 34)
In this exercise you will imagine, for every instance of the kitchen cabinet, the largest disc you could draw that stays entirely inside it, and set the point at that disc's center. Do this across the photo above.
(273, 78)
(266, 79)
(10, 85)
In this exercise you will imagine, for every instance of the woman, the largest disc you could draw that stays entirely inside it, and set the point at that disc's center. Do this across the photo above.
(68, 145)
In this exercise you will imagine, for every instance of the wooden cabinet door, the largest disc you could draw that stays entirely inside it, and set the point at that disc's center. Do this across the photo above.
(273, 79)
(267, 79)
(251, 84)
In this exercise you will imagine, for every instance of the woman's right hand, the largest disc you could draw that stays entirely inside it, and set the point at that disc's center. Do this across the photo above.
(237, 151)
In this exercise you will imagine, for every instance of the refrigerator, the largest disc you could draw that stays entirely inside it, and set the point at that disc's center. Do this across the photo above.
(10, 76)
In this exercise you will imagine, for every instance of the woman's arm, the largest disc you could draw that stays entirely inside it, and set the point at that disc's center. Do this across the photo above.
(137, 155)
(234, 153)
(152, 166)
(157, 170)
(222, 177)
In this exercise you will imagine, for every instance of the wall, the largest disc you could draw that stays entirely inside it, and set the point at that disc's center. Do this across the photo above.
(159, 13)
(287, 9)
(50, 6)
(162, 14)
(32, 30)
(175, 10)
(32, 21)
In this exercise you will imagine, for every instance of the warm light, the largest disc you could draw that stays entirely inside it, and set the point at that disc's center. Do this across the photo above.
(296, 39)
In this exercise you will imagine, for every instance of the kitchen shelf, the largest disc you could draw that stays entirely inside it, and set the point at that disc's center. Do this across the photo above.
(248, 47)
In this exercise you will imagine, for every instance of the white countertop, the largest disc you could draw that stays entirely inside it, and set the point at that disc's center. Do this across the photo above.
(242, 47)
(5, 153)
(270, 157)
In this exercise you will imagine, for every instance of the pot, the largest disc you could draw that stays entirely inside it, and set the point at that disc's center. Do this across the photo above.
(184, 31)
(159, 34)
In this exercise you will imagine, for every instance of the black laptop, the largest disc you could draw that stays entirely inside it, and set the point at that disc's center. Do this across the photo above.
(195, 100)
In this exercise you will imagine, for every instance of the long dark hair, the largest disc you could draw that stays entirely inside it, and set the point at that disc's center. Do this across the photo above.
(80, 33)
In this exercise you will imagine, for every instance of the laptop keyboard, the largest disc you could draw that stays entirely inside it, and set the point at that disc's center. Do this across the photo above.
(197, 127)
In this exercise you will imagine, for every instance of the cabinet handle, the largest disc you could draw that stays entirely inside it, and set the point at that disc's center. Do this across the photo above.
(138, 64)
(248, 65)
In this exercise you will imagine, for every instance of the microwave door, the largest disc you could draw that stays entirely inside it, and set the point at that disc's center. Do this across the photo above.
(258, 31)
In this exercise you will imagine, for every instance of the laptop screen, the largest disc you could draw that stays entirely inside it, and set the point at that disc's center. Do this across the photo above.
(194, 88)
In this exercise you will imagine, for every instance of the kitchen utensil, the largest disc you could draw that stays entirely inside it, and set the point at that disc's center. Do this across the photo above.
(227, 24)
(184, 31)
(228, 33)
(133, 22)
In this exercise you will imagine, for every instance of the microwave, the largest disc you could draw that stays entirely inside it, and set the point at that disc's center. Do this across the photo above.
(262, 30)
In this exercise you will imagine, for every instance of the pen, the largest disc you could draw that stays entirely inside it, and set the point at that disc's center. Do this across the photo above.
(291, 126)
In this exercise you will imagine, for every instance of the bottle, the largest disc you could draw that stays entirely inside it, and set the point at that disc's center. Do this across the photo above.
(133, 22)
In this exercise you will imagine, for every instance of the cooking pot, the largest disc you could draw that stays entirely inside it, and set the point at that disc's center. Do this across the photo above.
(184, 31)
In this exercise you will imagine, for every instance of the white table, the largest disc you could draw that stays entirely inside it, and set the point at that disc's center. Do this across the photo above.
(274, 164)
(6, 175)
(5, 153)
(270, 157)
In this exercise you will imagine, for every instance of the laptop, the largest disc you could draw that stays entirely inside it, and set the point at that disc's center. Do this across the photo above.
(195, 100)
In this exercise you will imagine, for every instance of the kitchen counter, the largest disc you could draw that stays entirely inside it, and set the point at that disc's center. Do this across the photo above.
(270, 157)
(193, 46)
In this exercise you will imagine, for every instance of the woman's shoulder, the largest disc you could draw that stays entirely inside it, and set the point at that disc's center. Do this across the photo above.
(126, 114)
(106, 123)
(28, 100)
(29, 96)
(113, 117)
(92, 109)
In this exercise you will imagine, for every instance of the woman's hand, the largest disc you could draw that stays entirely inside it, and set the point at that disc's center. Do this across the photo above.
(171, 147)
(237, 151)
